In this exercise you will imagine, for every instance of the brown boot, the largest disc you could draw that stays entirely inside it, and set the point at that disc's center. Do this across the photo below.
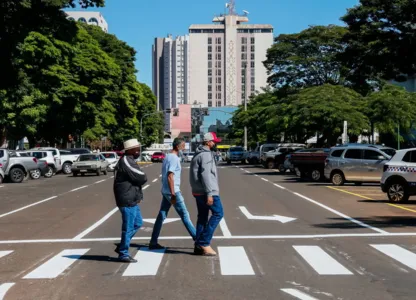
(204, 251)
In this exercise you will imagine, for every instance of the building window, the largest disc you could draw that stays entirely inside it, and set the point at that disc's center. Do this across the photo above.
(243, 96)
(209, 80)
(243, 48)
(218, 56)
(243, 80)
(219, 103)
(253, 80)
(218, 72)
(209, 41)
(209, 103)
(252, 64)
(82, 20)
(253, 72)
(209, 72)
(252, 56)
(219, 41)
(209, 96)
(209, 88)
(209, 49)
(243, 40)
(219, 49)
(218, 88)
(209, 56)
(219, 96)
(210, 64)
(253, 88)
(218, 80)
(252, 40)
(253, 48)
(243, 56)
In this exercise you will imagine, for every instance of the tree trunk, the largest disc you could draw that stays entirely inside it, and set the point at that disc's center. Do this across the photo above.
(3, 136)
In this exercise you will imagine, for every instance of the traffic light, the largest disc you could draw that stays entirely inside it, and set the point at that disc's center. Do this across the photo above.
(176, 112)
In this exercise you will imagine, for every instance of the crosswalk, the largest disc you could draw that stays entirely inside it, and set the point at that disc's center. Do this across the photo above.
(231, 261)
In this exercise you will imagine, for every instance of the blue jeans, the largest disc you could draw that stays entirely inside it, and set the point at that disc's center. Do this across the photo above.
(180, 208)
(205, 228)
(132, 221)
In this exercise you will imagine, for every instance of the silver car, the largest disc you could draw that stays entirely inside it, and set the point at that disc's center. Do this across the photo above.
(90, 163)
(356, 163)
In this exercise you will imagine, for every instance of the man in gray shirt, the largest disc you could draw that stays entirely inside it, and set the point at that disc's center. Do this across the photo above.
(204, 184)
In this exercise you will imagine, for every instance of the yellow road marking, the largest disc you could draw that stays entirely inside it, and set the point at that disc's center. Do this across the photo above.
(354, 194)
(401, 207)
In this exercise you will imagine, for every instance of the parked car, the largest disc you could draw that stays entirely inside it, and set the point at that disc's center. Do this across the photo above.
(67, 160)
(267, 148)
(399, 176)
(18, 166)
(357, 163)
(310, 163)
(253, 157)
(79, 150)
(56, 154)
(112, 159)
(158, 156)
(2, 175)
(276, 158)
(90, 163)
(43, 170)
(189, 156)
(236, 154)
(45, 155)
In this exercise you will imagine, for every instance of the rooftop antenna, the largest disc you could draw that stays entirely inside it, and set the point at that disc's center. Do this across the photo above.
(231, 7)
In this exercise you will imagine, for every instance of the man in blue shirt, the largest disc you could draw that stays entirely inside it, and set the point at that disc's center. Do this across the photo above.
(171, 192)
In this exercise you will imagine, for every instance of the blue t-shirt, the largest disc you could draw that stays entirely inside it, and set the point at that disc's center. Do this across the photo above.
(171, 164)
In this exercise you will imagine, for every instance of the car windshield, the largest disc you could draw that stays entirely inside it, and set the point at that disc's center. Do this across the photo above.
(87, 157)
(389, 151)
(158, 153)
(64, 152)
(236, 149)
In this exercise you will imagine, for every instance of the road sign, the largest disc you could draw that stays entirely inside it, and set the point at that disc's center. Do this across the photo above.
(281, 219)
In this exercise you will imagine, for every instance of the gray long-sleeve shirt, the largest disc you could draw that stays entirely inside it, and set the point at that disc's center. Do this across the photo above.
(203, 173)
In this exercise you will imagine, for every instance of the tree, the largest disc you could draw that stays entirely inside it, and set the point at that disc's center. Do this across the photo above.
(381, 40)
(389, 108)
(306, 59)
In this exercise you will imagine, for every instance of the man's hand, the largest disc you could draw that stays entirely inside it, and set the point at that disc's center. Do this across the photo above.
(173, 199)
(210, 200)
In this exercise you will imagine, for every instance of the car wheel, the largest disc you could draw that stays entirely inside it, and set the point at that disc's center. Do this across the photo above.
(75, 174)
(282, 168)
(298, 172)
(316, 175)
(270, 165)
(105, 172)
(99, 172)
(228, 162)
(337, 178)
(35, 174)
(1, 179)
(397, 192)
(49, 173)
(17, 175)
(67, 168)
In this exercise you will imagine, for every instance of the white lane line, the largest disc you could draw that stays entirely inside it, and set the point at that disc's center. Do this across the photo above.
(100, 181)
(4, 253)
(154, 180)
(264, 179)
(320, 261)
(79, 188)
(256, 175)
(224, 228)
(4, 288)
(298, 294)
(398, 253)
(145, 187)
(234, 261)
(247, 171)
(57, 264)
(148, 262)
(112, 177)
(341, 214)
(96, 224)
(160, 175)
(27, 206)
(279, 186)
(1, 186)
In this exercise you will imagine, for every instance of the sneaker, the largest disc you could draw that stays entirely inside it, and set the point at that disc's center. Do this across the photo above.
(128, 259)
(156, 247)
(204, 251)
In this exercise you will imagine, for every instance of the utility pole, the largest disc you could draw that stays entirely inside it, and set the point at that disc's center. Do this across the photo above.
(245, 104)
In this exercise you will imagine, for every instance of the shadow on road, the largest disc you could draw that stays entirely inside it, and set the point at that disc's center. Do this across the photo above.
(410, 202)
(380, 222)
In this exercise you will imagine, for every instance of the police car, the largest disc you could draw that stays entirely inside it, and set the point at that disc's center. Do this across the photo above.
(399, 176)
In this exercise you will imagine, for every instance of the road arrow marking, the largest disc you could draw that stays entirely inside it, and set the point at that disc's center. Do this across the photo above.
(281, 219)
(167, 220)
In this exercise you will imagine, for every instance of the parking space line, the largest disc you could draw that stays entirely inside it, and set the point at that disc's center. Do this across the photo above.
(79, 188)
(154, 180)
(100, 181)
(27, 206)
(4, 288)
(347, 192)
(298, 294)
(402, 207)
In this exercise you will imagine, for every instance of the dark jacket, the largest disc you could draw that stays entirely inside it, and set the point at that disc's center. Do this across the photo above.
(203, 176)
(128, 182)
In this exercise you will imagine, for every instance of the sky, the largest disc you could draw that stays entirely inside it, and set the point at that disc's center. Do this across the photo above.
(138, 22)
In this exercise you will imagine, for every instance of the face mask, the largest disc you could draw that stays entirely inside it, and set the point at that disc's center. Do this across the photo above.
(136, 155)
(214, 148)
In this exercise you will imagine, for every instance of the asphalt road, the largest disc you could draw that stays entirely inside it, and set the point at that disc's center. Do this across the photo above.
(281, 238)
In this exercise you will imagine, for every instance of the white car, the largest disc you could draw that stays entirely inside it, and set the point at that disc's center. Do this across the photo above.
(399, 176)
(189, 156)
(90, 163)
(112, 159)
(56, 155)
(45, 155)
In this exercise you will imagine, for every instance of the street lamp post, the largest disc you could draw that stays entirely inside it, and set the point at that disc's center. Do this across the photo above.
(245, 104)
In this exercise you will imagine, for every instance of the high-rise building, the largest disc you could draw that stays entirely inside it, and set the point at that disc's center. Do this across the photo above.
(89, 17)
(220, 56)
(170, 73)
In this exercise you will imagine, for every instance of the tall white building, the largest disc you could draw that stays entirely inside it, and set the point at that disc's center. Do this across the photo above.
(89, 17)
(170, 73)
(220, 54)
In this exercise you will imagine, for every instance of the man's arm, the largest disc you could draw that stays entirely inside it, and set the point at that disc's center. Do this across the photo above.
(133, 171)
(171, 182)
(205, 165)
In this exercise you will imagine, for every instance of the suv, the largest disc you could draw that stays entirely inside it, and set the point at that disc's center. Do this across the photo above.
(356, 163)
(276, 158)
(56, 155)
(236, 154)
(46, 156)
(399, 176)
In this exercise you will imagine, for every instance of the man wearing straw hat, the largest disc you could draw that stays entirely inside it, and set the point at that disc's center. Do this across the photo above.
(128, 182)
